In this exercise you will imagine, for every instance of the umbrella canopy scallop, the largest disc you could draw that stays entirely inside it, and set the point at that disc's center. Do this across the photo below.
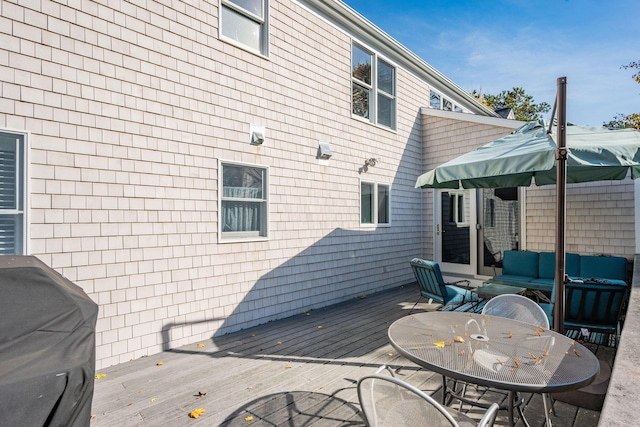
(528, 155)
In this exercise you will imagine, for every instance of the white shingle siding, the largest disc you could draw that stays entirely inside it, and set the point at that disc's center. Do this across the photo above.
(129, 111)
(600, 218)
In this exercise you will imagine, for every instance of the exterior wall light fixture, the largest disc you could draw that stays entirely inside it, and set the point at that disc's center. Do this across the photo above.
(324, 151)
(257, 135)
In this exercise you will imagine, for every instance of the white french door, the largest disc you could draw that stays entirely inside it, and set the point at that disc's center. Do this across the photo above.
(455, 231)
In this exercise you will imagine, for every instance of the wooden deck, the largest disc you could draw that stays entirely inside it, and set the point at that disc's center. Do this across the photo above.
(299, 371)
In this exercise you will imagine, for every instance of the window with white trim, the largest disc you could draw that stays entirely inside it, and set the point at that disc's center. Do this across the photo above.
(244, 202)
(373, 87)
(12, 194)
(245, 22)
(458, 208)
(375, 203)
(438, 102)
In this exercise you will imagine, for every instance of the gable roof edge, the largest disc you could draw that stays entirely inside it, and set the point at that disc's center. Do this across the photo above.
(352, 22)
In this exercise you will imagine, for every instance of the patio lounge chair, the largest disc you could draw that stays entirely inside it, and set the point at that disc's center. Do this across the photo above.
(388, 401)
(433, 286)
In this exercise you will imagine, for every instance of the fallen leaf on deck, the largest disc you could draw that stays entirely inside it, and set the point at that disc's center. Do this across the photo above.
(249, 418)
(279, 343)
(362, 296)
(160, 363)
(390, 354)
(200, 345)
(320, 326)
(197, 412)
(459, 339)
(100, 376)
(201, 394)
(287, 367)
(94, 416)
(153, 399)
(439, 344)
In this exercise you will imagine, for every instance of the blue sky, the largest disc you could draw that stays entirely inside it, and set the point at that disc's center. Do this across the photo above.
(496, 45)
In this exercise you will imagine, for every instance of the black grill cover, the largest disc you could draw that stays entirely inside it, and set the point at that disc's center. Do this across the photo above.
(47, 346)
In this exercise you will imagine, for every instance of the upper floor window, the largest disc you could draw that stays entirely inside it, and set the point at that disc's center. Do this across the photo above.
(245, 22)
(373, 87)
(439, 102)
(12, 194)
(434, 100)
(375, 203)
(244, 208)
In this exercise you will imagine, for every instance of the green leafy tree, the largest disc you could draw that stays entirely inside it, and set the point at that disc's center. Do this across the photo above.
(523, 105)
(631, 121)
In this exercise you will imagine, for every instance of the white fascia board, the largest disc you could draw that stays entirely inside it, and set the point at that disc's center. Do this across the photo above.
(472, 118)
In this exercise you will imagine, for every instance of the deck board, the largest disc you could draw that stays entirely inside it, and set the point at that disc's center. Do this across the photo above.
(298, 371)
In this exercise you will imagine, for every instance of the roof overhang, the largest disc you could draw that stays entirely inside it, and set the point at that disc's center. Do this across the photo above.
(359, 27)
(472, 118)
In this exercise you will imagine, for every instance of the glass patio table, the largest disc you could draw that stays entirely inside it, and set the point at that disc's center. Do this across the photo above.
(494, 352)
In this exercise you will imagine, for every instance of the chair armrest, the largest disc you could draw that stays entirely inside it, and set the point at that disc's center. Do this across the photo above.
(489, 417)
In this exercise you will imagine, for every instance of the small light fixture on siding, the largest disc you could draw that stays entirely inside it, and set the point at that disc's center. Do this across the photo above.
(324, 151)
(368, 162)
(257, 134)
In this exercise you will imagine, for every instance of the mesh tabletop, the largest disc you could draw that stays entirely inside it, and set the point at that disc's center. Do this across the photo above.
(494, 351)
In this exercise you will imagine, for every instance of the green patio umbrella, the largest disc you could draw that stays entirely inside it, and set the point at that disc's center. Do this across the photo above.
(531, 154)
(528, 155)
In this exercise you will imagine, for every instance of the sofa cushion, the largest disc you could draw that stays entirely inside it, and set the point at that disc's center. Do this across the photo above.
(511, 279)
(604, 267)
(520, 263)
(547, 265)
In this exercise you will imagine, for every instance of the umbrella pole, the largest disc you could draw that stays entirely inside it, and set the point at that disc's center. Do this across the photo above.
(561, 205)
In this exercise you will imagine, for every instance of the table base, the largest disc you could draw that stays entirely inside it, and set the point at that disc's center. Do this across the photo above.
(515, 400)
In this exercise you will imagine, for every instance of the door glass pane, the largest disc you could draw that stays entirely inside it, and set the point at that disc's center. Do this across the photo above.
(456, 240)
(501, 224)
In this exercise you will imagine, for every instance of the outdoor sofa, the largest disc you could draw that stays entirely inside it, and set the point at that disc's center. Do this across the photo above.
(536, 270)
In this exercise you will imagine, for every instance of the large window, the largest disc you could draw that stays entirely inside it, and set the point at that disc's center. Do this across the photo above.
(374, 203)
(373, 87)
(12, 194)
(245, 22)
(244, 209)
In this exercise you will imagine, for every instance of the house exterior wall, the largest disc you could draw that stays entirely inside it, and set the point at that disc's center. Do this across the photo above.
(600, 215)
(446, 136)
(600, 218)
(129, 108)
